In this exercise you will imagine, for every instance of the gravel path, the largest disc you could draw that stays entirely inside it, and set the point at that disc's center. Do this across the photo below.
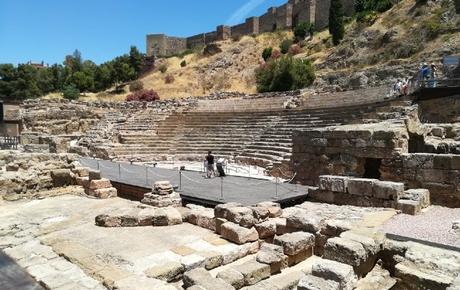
(433, 225)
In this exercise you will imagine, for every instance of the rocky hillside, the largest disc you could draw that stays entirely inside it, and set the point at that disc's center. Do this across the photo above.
(377, 51)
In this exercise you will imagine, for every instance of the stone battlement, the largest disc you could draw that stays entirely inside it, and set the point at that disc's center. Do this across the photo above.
(285, 16)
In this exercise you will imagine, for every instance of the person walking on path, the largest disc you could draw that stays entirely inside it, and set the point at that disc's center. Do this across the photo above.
(210, 165)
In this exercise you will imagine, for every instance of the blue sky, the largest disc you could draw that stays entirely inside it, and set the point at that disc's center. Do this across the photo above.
(102, 29)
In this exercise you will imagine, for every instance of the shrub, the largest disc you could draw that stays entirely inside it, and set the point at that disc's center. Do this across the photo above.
(163, 68)
(143, 96)
(457, 6)
(367, 17)
(284, 74)
(136, 86)
(183, 63)
(70, 92)
(169, 79)
(295, 49)
(302, 29)
(267, 53)
(285, 45)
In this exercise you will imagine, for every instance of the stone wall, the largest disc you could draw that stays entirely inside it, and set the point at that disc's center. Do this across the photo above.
(379, 151)
(442, 110)
(283, 17)
(345, 150)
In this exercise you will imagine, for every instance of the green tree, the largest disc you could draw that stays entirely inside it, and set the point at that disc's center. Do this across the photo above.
(7, 80)
(74, 61)
(285, 45)
(135, 59)
(70, 92)
(336, 22)
(285, 73)
(267, 53)
(103, 77)
(302, 29)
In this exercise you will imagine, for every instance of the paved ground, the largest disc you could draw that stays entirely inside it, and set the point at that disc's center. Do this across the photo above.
(433, 225)
(247, 191)
(12, 276)
(44, 235)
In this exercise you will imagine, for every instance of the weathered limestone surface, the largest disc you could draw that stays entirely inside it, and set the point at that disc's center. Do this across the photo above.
(238, 234)
(294, 243)
(201, 277)
(253, 272)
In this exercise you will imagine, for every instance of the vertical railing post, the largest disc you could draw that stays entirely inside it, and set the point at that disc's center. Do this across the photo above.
(98, 167)
(119, 171)
(146, 175)
(221, 188)
(180, 180)
(276, 188)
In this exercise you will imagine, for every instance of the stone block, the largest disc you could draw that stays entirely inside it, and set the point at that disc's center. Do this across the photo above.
(378, 278)
(282, 228)
(162, 188)
(145, 217)
(360, 186)
(333, 183)
(413, 278)
(203, 218)
(310, 282)
(103, 193)
(100, 184)
(299, 257)
(274, 209)
(193, 261)
(418, 160)
(422, 195)
(242, 216)
(266, 229)
(238, 234)
(212, 260)
(338, 272)
(171, 271)
(295, 243)
(253, 272)
(201, 277)
(157, 200)
(219, 222)
(411, 207)
(108, 221)
(321, 195)
(82, 181)
(333, 228)
(220, 211)
(166, 217)
(260, 213)
(61, 177)
(274, 256)
(94, 174)
(388, 190)
(345, 251)
(371, 246)
(304, 221)
(232, 277)
(81, 171)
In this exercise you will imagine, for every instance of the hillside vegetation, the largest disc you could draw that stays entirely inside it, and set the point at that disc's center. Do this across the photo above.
(382, 45)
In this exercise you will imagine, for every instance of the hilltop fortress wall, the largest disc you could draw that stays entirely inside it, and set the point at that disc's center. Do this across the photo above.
(285, 16)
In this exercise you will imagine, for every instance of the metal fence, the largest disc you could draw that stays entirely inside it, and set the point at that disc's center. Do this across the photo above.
(195, 184)
(9, 142)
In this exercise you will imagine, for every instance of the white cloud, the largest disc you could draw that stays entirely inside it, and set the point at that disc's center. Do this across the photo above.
(241, 14)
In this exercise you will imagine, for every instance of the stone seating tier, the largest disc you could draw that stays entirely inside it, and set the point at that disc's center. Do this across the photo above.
(259, 137)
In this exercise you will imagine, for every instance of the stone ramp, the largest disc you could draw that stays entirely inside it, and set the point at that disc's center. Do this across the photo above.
(12, 276)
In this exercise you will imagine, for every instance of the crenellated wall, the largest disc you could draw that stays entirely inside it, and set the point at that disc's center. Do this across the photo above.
(285, 16)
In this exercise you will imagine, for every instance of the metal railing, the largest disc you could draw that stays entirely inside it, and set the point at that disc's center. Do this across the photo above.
(195, 184)
(439, 83)
(9, 142)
